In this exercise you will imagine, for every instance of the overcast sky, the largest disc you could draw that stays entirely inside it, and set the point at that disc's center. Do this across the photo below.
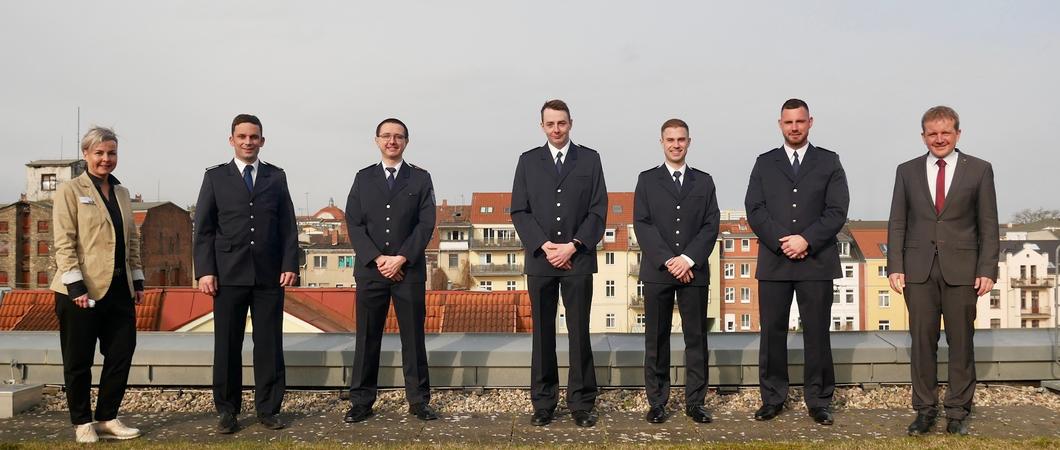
(469, 79)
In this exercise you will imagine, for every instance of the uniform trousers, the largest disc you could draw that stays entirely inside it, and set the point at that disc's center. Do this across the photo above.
(544, 370)
(814, 298)
(658, 319)
(230, 318)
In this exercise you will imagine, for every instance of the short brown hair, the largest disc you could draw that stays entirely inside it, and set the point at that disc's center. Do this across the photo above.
(556, 105)
(673, 123)
(247, 118)
(941, 113)
(391, 120)
(794, 103)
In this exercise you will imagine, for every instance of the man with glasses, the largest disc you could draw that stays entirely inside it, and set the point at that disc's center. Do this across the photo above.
(390, 218)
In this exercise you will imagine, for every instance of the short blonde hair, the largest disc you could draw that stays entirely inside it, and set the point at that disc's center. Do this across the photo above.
(941, 113)
(97, 135)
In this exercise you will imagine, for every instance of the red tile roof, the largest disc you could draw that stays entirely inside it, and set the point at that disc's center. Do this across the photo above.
(447, 213)
(35, 311)
(619, 208)
(500, 202)
(869, 241)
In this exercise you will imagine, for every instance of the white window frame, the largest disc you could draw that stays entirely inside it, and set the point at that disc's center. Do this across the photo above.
(745, 245)
(745, 295)
(610, 320)
(745, 270)
(730, 271)
(730, 295)
(609, 288)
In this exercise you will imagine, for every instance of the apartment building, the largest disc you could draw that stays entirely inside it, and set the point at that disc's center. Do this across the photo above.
(165, 242)
(738, 287)
(26, 260)
(449, 247)
(882, 308)
(44, 176)
(1024, 295)
(495, 253)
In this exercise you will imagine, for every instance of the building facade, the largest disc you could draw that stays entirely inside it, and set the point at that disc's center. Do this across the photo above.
(44, 176)
(26, 260)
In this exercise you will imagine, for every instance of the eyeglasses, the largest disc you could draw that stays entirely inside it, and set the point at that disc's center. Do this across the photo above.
(396, 137)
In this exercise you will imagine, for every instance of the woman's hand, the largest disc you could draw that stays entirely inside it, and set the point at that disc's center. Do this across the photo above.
(82, 301)
(139, 297)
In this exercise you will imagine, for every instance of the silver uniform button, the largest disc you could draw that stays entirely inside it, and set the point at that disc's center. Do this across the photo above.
(795, 190)
(387, 206)
(678, 219)
(794, 205)
(251, 229)
(387, 218)
(559, 190)
(559, 233)
(678, 244)
(251, 203)
(387, 230)
(558, 204)
(386, 243)
(557, 219)
(677, 232)
(251, 242)
(793, 220)
(678, 206)
(251, 216)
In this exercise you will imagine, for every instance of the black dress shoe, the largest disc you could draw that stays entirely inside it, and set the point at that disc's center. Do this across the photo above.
(957, 426)
(768, 412)
(657, 414)
(699, 413)
(584, 418)
(922, 424)
(358, 414)
(227, 424)
(271, 421)
(423, 411)
(542, 417)
(822, 415)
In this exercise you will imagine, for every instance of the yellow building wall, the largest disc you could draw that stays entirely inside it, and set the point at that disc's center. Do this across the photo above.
(897, 313)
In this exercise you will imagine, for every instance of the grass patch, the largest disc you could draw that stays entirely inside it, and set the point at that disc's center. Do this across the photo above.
(930, 442)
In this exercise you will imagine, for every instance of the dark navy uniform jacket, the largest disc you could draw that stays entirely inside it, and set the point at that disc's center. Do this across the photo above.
(245, 238)
(547, 206)
(669, 223)
(384, 221)
(812, 204)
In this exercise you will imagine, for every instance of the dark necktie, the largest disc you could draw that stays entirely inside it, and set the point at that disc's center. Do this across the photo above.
(559, 163)
(390, 177)
(795, 164)
(940, 186)
(248, 177)
(677, 180)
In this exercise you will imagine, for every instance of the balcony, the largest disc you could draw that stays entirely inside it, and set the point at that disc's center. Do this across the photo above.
(1032, 282)
(636, 301)
(496, 269)
(497, 244)
(452, 245)
(1040, 311)
(634, 269)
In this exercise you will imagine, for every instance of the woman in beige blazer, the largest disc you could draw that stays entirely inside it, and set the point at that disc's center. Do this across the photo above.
(99, 281)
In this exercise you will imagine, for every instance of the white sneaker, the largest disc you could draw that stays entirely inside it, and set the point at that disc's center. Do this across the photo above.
(85, 433)
(114, 429)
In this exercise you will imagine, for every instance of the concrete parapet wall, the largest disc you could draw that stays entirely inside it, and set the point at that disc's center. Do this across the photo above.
(503, 360)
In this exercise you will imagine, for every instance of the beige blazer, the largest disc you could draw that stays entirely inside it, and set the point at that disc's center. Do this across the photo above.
(84, 237)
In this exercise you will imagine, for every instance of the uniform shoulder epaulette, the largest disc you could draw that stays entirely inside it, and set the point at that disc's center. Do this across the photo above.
(770, 151)
(653, 168)
(697, 170)
(587, 148)
(416, 167)
(531, 150)
(824, 149)
(215, 167)
(273, 166)
(369, 167)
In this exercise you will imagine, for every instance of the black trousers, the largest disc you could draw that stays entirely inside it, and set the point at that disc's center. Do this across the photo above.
(544, 370)
(230, 307)
(373, 302)
(956, 305)
(113, 323)
(658, 319)
(814, 298)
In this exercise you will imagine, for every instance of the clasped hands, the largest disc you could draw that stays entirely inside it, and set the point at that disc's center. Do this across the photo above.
(679, 267)
(208, 283)
(391, 266)
(794, 246)
(559, 255)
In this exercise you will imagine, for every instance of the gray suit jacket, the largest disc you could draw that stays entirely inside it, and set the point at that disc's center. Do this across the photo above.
(964, 235)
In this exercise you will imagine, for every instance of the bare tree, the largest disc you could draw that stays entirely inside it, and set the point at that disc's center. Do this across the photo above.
(1035, 215)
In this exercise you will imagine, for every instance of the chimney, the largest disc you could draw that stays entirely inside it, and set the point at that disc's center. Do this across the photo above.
(445, 202)
(138, 199)
(334, 237)
(22, 197)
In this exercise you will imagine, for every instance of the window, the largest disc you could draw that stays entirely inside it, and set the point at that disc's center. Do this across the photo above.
(339, 285)
(1034, 323)
(995, 299)
(745, 295)
(3, 227)
(850, 296)
(609, 235)
(486, 258)
(617, 209)
(345, 261)
(42, 226)
(995, 323)
(609, 288)
(485, 209)
(562, 319)
(454, 260)
(511, 258)
(745, 321)
(730, 270)
(510, 286)
(3, 278)
(850, 324)
(609, 258)
(730, 295)
(1023, 323)
(848, 271)
(639, 318)
(42, 280)
(42, 247)
(885, 325)
(312, 285)
(729, 245)
(745, 245)
(730, 322)
(320, 262)
(48, 182)
(885, 299)
(485, 285)
(454, 235)
(745, 270)
(881, 271)
(835, 295)
(844, 249)
(640, 289)
(836, 323)
(609, 320)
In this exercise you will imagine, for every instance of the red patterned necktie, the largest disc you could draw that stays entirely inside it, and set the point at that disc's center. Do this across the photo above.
(940, 186)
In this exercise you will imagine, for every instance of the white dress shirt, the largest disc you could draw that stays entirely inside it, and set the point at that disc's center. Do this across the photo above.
(241, 166)
(933, 171)
(555, 151)
(397, 169)
(791, 153)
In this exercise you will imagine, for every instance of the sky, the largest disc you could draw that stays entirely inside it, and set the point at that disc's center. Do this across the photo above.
(469, 78)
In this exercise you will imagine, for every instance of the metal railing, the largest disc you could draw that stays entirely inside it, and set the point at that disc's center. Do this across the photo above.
(1040, 310)
(496, 269)
(1032, 282)
(636, 301)
(634, 269)
(511, 243)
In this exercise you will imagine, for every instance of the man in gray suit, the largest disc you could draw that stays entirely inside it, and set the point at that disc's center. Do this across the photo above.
(943, 247)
